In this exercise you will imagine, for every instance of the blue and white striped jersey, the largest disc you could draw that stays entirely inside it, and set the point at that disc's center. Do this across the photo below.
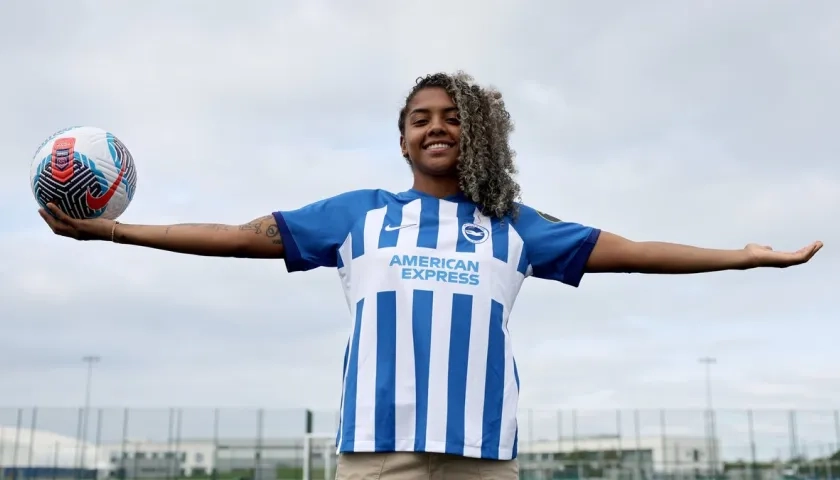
(430, 284)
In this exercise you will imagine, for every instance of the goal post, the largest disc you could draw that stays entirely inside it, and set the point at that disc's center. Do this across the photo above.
(319, 456)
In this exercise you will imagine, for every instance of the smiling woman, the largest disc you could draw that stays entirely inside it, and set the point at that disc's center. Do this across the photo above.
(430, 388)
(455, 135)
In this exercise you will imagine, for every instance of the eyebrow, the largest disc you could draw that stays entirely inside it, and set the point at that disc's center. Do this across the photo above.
(427, 111)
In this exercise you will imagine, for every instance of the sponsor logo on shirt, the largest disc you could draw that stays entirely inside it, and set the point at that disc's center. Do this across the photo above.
(437, 269)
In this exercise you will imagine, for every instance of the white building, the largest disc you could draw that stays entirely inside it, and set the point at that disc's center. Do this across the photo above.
(643, 457)
(607, 457)
(23, 447)
(615, 457)
(188, 457)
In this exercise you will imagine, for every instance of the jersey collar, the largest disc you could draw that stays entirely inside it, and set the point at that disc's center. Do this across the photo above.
(412, 193)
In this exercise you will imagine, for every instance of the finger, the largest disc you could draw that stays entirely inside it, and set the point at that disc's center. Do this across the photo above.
(57, 227)
(58, 213)
(53, 208)
(811, 249)
(806, 253)
(48, 218)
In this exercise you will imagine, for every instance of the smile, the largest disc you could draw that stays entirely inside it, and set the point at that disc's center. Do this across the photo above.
(438, 147)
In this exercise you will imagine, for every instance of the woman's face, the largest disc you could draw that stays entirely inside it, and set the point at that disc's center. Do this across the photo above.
(432, 133)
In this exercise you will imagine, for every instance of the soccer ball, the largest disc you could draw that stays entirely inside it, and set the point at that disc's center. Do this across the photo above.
(86, 171)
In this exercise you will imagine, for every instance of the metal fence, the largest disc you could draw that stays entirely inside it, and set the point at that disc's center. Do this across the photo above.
(268, 444)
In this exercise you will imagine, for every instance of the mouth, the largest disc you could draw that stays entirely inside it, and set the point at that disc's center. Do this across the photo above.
(438, 146)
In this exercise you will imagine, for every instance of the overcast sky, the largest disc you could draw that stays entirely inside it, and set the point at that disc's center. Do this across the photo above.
(707, 123)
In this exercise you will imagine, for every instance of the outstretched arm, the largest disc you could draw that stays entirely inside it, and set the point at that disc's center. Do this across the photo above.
(613, 253)
(259, 238)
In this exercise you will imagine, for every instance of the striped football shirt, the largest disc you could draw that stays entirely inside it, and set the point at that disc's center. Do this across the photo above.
(430, 284)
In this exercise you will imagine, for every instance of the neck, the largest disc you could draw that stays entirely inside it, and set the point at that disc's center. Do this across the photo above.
(439, 187)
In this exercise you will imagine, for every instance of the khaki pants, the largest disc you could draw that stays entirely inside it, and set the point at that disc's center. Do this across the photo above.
(422, 466)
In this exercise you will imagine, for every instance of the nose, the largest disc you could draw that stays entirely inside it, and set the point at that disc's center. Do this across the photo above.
(436, 126)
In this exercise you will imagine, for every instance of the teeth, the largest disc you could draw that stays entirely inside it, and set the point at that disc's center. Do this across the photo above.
(437, 146)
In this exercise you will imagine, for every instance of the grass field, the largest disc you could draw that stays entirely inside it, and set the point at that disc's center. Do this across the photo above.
(282, 473)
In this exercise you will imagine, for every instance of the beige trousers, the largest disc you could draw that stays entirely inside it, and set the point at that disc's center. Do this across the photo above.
(422, 466)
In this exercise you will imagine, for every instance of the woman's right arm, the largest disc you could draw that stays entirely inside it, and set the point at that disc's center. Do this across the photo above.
(259, 238)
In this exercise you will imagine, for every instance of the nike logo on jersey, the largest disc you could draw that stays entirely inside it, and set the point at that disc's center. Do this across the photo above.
(391, 228)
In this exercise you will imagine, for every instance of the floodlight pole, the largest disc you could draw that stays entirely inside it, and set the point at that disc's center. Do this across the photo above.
(90, 360)
(710, 428)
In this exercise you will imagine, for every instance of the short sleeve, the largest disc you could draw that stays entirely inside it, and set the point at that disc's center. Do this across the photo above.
(313, 234)
(555, 250)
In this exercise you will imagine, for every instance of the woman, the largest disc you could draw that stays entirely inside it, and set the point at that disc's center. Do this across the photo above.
(430, 385)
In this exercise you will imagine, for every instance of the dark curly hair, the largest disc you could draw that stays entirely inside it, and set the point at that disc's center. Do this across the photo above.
(486, 165)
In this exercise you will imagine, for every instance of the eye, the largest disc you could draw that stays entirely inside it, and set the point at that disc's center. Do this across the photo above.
(420, 121)
(453, 121)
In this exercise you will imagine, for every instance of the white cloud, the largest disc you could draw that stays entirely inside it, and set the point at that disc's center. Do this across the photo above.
(710, 125)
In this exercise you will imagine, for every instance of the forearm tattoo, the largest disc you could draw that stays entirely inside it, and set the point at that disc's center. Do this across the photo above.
(264, 226)
(273, 233)
(261, 226)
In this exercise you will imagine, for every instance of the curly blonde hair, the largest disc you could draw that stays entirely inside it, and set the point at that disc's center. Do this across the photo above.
(486, 165)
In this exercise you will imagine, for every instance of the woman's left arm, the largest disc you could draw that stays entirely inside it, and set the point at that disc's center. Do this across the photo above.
(613, 253)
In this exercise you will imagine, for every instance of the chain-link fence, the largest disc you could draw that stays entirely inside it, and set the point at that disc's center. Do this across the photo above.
(265, 444)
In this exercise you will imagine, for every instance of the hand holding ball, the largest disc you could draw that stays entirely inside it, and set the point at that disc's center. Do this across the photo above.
(83, 178)
(80, 229)
(85, 171)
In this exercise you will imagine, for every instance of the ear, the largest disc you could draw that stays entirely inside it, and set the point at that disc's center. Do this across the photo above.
(403, 147)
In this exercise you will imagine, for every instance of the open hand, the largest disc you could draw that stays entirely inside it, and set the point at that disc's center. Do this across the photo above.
(764, 256)
(62, 224)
